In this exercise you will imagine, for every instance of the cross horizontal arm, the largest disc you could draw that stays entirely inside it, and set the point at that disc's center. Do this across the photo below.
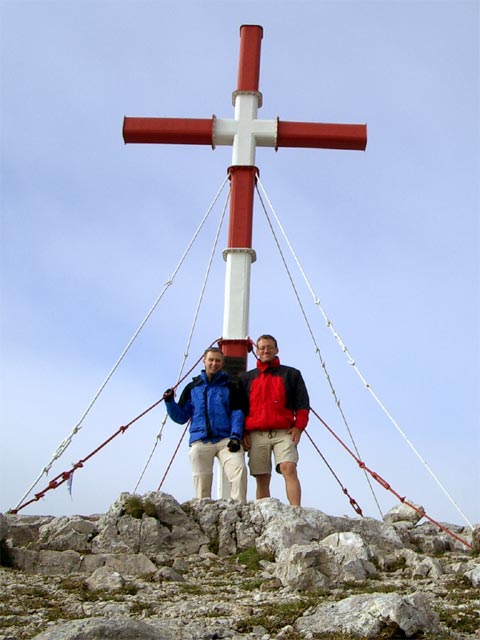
(309, 135)
(317, 135)
(168, 130)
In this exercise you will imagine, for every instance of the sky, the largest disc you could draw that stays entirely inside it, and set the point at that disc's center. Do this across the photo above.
(387, 241)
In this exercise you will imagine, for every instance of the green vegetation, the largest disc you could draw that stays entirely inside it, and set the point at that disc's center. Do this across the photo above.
(275, 616)
(461, 620)
(23, 600)
(252, 584)
(192, 589)
(251, 558)
(355, 588)
(136, 506)
(460, 612)
(399, 565)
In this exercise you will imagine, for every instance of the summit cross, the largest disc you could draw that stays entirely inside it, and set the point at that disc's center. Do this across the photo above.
(245, 132)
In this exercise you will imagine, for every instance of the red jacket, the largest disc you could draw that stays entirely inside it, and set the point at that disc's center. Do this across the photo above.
(277, 397)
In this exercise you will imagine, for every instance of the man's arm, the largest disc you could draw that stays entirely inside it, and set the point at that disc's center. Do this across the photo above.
(237, 407)
(300, 400)
(182, 411)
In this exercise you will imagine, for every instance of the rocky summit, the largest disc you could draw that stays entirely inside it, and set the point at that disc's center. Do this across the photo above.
(154, 569)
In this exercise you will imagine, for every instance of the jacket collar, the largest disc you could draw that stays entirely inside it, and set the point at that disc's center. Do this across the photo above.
(263, 366)
(221, 377)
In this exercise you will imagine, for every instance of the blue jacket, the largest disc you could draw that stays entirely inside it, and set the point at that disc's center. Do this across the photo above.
(215, 408)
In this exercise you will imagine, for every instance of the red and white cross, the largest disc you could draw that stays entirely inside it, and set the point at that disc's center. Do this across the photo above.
(244, 132)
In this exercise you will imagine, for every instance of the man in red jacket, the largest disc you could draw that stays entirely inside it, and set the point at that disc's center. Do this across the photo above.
(278, 406)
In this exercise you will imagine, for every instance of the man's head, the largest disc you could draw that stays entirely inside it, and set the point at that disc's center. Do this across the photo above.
(213, 360)
(267, 348)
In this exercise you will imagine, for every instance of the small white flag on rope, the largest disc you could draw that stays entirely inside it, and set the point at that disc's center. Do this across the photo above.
(69, 483)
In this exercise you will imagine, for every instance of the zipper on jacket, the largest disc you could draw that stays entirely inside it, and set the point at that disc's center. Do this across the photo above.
(207, 419)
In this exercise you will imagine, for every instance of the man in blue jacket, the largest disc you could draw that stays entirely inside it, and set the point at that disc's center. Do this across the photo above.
(215, 407)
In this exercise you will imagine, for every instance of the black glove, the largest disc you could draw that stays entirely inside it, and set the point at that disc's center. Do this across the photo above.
(233, 446)
(168, 395)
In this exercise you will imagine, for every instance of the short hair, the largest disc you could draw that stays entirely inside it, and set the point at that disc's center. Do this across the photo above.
(267, 336)
(213, 350)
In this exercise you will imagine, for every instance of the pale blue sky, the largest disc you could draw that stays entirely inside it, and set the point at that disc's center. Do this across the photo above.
(389, 238)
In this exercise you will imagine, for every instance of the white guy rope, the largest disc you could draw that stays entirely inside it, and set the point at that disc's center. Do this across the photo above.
(319, 353)
(67, 441)
(351, 361)
(189, 340)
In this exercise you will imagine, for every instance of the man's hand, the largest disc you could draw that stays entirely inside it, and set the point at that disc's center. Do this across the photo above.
(295, 434)
(168, 395)
(246, 441)
(233, 446)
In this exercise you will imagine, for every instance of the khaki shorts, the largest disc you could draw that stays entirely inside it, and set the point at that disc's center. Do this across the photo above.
(262, 445)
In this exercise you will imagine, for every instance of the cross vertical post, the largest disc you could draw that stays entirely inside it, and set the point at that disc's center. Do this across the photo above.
(239, 255)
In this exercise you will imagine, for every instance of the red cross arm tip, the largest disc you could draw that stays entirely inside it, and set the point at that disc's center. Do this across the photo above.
(316, 135)
(168, 130)
(249, 59)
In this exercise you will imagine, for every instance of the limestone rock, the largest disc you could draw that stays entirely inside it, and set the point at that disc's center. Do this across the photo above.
(3, 527)
(168, 528)
(283, 526)
(404, 513)
(62, 534)
(131, 564)
(352, 555)
(306, 567)
(369, 615)
(24, 530)
(427, 568)
(226, 524)
(107, 629)
(47, 563)
(105, 578)
(167, 573)
(476, 538)
(428, 538)
(473, 575)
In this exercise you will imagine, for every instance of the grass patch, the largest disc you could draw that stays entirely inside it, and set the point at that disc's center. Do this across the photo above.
(136, 506)
(252, 584)
(460, 610)
(192, 589)
(251, 558)
(78, 588)
(462, 621)
(144, 609)
(399, 564)
(365, 587)
(275, 616)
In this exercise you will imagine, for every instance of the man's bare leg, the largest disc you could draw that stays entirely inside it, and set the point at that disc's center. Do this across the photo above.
(292, 483)
(263, 485)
